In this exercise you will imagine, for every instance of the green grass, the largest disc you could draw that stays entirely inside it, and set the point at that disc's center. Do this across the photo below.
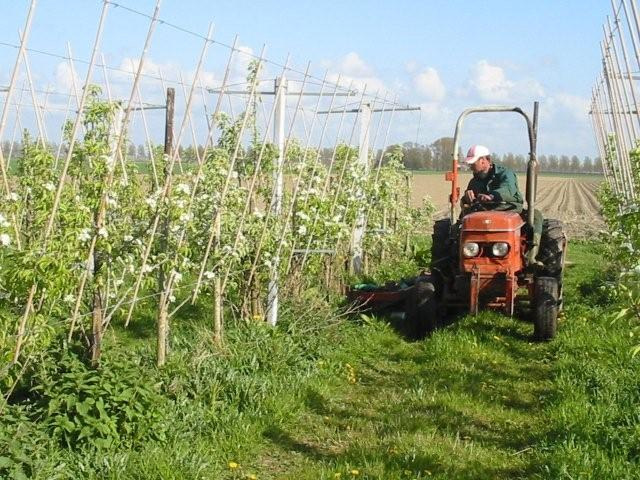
(327, 397)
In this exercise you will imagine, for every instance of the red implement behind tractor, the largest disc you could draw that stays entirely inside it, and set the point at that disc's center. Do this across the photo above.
(479, 258)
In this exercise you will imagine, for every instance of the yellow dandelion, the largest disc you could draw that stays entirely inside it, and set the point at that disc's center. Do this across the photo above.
(233, 465)
(252, 476)
(355, 472)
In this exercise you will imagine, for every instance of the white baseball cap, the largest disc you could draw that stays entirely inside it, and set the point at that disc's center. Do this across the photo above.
(475, 153)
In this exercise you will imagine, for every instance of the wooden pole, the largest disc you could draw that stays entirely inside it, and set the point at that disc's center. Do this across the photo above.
(163, 319)
(407, 205)
(217, 291)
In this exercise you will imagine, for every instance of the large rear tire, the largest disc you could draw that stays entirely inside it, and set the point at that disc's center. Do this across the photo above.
(545, 308)
(551, 252)
(441, 242)
(422, 308)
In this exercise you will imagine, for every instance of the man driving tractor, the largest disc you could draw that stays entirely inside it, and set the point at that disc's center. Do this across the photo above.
(495, 187)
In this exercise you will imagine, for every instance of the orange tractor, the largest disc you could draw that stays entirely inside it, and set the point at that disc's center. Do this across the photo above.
(479, 258)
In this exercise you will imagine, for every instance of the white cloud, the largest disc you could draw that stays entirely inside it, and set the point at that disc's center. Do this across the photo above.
(351, 64)
(429, 85)
(411, 66)
(65, 78)
(575, 106)
(352, 68)
(490, 82)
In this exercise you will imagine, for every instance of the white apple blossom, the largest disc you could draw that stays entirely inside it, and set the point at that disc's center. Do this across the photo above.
(183, 188)
(128, 238)
(49, 186)
(69, 298)
(5, 240)
(302, 230)
(209, 275)
(84, 235)
(103, 232)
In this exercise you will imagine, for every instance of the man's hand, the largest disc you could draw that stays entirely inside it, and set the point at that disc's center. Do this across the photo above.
(470, 196)
(483, 197)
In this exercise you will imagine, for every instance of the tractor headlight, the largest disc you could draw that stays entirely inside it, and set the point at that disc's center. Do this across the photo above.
(500, 249)
(470, 249)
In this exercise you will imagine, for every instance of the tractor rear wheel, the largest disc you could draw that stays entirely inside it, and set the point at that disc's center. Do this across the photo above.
(545, 308)
(440, 242)
(422, 308)
(551, 252)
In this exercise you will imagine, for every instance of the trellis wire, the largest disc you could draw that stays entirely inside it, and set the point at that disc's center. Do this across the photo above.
(131, 295)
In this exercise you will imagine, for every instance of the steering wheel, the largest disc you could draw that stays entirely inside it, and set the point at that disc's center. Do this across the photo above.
(478, 206)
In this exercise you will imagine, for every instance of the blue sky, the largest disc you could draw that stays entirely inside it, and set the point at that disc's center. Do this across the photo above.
(442, 55)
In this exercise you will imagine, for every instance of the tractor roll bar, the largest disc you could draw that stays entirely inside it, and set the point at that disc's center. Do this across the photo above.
(532, 129)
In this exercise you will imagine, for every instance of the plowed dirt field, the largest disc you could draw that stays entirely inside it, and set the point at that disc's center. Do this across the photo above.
(570, 199)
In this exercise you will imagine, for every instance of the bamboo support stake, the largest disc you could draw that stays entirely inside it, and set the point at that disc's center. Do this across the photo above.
(628, 75)
(602, 141)
(316, 162)
(232, 162)
(621, 85)
(199, 175)
(168, 182)
(624, 138)
(254, 178)
(102, 208)
(154, 169)
(3, 121)
(325, 187)
(276, 199)
(208, 141)
(58, 194)
(600, 94)
(5, 110)
(17, 124)
(620, 136)
(194, 139)
(42, 136)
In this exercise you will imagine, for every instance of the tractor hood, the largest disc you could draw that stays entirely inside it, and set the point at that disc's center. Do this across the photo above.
(492, 221)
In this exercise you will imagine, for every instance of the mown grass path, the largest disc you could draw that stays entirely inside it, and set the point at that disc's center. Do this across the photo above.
(476, 400)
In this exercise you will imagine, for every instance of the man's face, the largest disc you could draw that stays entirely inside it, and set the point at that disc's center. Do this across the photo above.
(480, 167)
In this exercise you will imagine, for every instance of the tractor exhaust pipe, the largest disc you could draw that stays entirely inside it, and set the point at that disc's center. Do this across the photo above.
(532, 167)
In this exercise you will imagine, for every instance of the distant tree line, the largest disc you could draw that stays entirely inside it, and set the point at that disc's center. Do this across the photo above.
(436, 156)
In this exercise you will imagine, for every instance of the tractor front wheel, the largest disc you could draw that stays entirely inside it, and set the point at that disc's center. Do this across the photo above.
(422, 308)
(545, 308)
